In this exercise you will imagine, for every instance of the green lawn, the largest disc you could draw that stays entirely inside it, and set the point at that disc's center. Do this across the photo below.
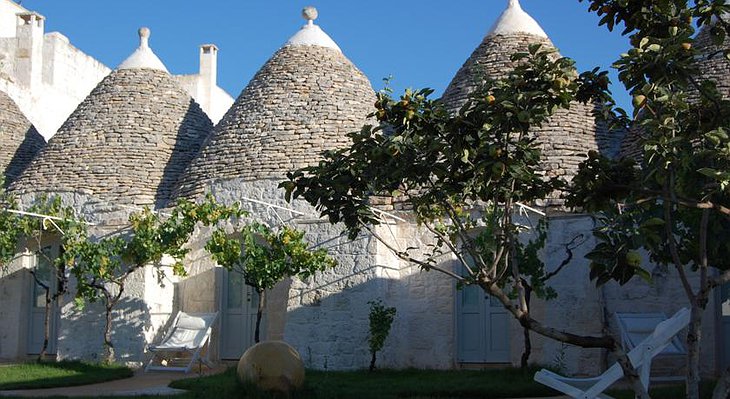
(60, 374)
(673, 392)
(385, 384)
(412, 384)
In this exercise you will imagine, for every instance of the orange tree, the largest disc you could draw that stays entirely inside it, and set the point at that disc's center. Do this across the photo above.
(459, 172)
(675, 202)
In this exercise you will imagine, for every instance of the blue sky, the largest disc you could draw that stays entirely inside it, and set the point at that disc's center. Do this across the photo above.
(419, 43)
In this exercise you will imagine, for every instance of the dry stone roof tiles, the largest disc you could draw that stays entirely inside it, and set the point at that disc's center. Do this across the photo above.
(303, 101)
(566, 137)
(716, 68)
(20, 142)
(127, 143)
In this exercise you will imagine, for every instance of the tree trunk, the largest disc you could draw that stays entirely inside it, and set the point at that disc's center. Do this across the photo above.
(640, 391)
(46, 326)
(528, 343)
(259, 314)
(606, 342)
(108, 345)
(372, 362)
(722, 389)
(694, 335)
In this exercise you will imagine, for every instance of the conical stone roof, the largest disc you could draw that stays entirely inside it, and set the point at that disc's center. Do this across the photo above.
(303, 101)
(565, 138)
(716, 68)
(20, 142)
(127, 143)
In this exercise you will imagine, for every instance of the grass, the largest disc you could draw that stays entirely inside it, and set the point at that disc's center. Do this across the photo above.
(58, 374)
(668, 392)
(411, 384)
(384, 384)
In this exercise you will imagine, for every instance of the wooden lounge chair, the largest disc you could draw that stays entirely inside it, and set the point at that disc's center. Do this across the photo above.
(183, 344)
(640, 356)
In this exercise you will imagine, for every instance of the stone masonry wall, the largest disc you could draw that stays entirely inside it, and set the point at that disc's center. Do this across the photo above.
(15, 282)
(141, 316)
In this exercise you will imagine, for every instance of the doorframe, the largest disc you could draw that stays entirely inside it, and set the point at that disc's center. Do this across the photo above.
(55, 245)
(485, 298)
(223, 303)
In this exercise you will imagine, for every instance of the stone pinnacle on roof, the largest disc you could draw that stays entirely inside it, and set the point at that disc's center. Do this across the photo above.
(515, 20)
(143, 56)
(311, 34)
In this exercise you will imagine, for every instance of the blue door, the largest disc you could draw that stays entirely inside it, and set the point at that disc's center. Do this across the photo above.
(482, 327)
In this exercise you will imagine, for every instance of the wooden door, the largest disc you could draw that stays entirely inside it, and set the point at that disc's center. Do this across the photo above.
(482, 328)
(45, 274)
(240, 303)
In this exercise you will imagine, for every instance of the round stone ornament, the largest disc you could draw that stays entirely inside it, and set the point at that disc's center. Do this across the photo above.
(272, 366)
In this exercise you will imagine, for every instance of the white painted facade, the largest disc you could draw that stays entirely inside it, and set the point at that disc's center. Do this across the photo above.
(48, 77)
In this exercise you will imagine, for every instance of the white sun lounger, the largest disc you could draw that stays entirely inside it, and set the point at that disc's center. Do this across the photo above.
(641, 357)
(636, 327)
(181, 348)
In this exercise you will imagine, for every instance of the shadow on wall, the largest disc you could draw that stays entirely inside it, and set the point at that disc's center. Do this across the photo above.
(81, 334)
(330, 328)
(32, 144)
(14, 313)
(194, 129)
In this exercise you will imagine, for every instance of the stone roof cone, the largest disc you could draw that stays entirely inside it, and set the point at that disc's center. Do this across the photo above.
(716, 68)
(303, 101)
(128, 142)
(20, 142)
(565, 138)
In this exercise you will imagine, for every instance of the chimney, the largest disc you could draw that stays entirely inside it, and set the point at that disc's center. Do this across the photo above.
(208, 74)
(29, 55)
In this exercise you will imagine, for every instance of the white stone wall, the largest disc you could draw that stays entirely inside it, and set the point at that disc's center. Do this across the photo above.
(8, 9)
(144, 311)
(424, 330)
(60, 75)
(578, 307)
(324, 317)
(15, 283)
(583, 308)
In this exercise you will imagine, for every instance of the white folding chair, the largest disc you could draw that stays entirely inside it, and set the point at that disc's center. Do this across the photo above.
(181, 348)
(640, 357)
(635, 327)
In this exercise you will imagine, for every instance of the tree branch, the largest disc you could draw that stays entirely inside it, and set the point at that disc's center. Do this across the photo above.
(673, 246)
(451, 247)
